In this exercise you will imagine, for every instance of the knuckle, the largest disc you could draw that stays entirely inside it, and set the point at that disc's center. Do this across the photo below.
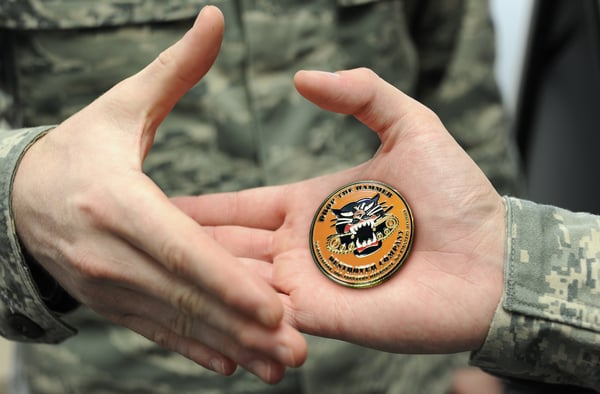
(90, 268)
(183, 325)
(165, 58)
(430, 115)
(165, 338)
(244, 336)
(174, 257)
(187, 300)
(167, 62)
(368, 73)
(245, 341)
(92, 204)
(160, 334)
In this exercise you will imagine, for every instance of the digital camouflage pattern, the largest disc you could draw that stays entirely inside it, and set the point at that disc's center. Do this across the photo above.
(242, 126)
(65, 14)
(548, 325)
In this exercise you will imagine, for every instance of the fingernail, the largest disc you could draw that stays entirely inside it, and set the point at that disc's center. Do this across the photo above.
(261, 369)
(324, 73)
(267, 317)
(217, 365)
(284, 354)
(327, 73)
(200, 14)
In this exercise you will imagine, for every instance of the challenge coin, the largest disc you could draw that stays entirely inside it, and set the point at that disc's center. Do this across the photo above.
(362, 234)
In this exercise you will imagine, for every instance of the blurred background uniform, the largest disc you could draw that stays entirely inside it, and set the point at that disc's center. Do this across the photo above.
(6, 347)
(557, 111)
(549, 73)
(504, 19)
(554, 99)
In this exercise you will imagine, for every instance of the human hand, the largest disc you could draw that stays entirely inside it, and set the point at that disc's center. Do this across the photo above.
(85, 211)
(444, 297)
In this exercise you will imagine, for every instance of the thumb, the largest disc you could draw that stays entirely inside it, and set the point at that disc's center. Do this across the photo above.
(148, 96)
(373, 101)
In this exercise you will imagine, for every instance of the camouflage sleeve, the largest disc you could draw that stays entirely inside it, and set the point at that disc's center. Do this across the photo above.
(547, 327)
(456, 49)
(24, 316)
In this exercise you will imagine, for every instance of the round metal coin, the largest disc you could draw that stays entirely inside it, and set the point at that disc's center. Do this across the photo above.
(362, 234)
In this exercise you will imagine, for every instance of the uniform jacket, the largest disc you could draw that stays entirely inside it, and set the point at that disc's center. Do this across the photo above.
(245, 126)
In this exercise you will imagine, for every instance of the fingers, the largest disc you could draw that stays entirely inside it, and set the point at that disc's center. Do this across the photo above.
(162, 83)
(188, 252)
(145, 219)
(259, 208)
(106, 201)
(264, 207)
(262, 366)
(187, 347)
(363, 94)
(153, 92)
(131, 289)
(137, 211)
(262, 351)
(243, 241)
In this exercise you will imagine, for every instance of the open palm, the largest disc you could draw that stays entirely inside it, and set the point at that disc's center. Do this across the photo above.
(444, 296)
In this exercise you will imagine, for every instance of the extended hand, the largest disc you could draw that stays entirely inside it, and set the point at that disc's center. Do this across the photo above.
(444, 297)
(87, 213)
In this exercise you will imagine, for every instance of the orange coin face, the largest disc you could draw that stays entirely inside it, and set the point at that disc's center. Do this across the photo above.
(362, 234)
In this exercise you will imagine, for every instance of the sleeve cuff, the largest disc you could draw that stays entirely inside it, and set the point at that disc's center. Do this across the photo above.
(547, 326)
(24, 316)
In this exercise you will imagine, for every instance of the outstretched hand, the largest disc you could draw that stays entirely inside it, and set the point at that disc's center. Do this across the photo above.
(443, 298)
(85, 211)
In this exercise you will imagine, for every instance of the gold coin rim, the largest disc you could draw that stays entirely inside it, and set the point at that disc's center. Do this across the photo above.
(389, 274)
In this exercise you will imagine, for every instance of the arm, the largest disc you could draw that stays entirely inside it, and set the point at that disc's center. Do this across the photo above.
(86, 212)
(454, 271)
(547, 326)
(446, 295)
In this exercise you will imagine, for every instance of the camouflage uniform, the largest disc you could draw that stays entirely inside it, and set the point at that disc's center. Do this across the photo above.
(548, 325)
(242, 126)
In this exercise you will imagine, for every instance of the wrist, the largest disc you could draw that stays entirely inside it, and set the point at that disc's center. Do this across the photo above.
(52, 294)
(491, 263)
